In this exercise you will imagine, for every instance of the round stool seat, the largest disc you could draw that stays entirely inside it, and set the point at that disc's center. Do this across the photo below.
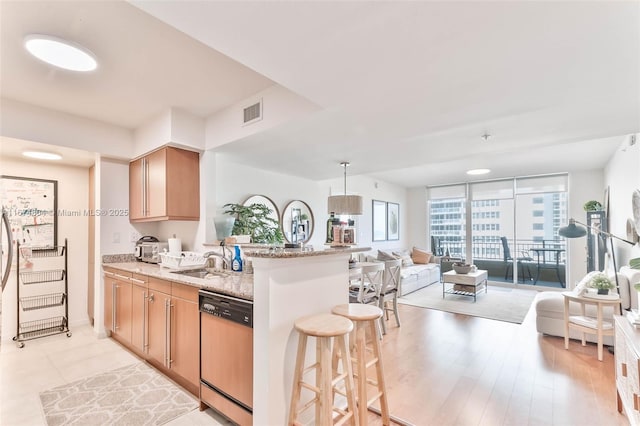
(324, 325)
(357, 311)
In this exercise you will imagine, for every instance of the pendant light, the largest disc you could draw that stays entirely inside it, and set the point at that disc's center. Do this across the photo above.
(345, 204)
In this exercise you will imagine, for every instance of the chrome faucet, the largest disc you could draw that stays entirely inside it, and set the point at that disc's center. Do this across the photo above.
(226, 262)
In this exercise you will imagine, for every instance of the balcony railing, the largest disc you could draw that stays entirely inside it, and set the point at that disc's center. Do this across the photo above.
(493, 250)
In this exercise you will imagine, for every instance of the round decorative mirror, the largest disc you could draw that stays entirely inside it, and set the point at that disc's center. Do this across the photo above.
(266, 201)
(297, 222)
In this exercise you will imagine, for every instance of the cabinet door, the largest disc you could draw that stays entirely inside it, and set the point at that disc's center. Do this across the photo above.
(136, 190)
(157, 326)
(123, 310)
(109, 287)
(185, 339)
(138, 317)
(156, 180)
(183, 184)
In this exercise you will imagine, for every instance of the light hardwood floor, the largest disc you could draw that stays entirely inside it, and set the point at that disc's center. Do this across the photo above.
(451, 369)
(441, 369)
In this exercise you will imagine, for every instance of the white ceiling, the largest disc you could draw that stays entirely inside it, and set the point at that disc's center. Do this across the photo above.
(406, 88)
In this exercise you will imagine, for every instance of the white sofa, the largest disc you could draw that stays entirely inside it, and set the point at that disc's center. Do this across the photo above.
(412, 277)
(549, 307)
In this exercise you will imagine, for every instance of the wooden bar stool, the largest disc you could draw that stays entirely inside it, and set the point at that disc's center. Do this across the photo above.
(324, 327)
(365, 317)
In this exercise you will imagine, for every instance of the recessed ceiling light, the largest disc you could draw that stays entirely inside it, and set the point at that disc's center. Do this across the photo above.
(478, 171)
(42, 155)
(60, 53)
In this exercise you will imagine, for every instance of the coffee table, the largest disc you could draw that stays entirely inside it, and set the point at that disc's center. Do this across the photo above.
(464, 284)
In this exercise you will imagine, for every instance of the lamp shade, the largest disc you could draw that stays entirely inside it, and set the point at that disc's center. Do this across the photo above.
(572, 231)
(344, 204)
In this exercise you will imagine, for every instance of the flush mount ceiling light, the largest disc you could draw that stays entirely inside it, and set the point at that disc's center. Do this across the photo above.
(486, 136)
(478, 171)
(345, 204)
(42, 155)
(60, 53)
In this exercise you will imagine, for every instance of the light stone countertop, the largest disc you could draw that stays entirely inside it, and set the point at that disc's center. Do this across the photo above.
(283, 253)
(236, 284)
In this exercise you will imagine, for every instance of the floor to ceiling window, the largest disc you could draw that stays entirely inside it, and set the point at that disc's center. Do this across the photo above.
(508, 227)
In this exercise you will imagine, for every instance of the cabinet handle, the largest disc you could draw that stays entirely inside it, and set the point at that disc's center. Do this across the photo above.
(143, 186)
(144, 321)
(167, 330)
(122, 277)
(109, 274)
(135, 280)
(624, 369)
(114, 289)
(169, 360)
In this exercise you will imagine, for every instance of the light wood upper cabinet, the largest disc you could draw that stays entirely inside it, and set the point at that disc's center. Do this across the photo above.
(165, 185)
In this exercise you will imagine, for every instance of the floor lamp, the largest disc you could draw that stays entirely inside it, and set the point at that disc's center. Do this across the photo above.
(574, 231)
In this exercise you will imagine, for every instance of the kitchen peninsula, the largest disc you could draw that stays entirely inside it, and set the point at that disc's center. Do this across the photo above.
(286, 284)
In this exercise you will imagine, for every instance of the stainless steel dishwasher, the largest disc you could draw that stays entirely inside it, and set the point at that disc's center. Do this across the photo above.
(226, 355)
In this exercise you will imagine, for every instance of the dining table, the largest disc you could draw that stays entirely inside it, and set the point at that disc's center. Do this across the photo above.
(541, 260)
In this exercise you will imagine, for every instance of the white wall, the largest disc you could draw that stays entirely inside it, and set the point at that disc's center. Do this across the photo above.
(236, 182)
(73, 196)
(31, 123)
(172, 126)
(279, 106)
(622, 175)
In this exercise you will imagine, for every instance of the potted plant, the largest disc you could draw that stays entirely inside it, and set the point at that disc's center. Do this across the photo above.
(254, 220)
(591, 206)
(602, 283)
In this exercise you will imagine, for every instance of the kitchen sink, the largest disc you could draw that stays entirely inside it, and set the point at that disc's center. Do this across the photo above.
(202, 273)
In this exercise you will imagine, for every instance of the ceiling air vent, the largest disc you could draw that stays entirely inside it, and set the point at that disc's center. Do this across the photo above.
(252, 113)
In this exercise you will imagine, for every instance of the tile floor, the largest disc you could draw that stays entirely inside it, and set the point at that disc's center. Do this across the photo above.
(55, 360)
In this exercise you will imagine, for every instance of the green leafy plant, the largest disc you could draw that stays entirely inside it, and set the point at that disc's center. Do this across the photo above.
(255, 220)
(592, 205)
(601, 282)
(635, 263)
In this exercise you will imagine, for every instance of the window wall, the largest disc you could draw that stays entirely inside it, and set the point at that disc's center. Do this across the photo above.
(508, 227)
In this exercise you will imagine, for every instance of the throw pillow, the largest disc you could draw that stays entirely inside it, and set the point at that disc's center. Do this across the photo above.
(383, 255)
(420, 256)
(405, 257)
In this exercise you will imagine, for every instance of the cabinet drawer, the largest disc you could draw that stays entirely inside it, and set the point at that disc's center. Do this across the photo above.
(160, 285)
(184, 291)
(139, 279)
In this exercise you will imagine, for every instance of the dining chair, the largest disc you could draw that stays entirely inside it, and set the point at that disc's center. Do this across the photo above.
(368, 290)
(389, 291)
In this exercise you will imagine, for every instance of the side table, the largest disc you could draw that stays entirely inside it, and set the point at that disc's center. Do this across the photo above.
(464, 284)
(588, 324)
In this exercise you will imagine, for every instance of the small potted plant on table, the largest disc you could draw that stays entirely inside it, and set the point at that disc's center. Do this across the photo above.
(602, 283)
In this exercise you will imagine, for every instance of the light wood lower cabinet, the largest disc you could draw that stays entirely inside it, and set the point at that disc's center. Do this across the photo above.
(173, 329)
(117, 305)
(109, 286)
(627, 355)
(158, 306)
(159, 321)
(138, 316)
(185, 338)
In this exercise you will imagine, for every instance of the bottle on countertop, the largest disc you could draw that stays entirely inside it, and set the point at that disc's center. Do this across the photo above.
(330, 223)
(236, 263)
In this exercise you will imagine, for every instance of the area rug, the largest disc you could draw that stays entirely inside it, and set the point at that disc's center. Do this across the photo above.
(133, 395)
(499, 303)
